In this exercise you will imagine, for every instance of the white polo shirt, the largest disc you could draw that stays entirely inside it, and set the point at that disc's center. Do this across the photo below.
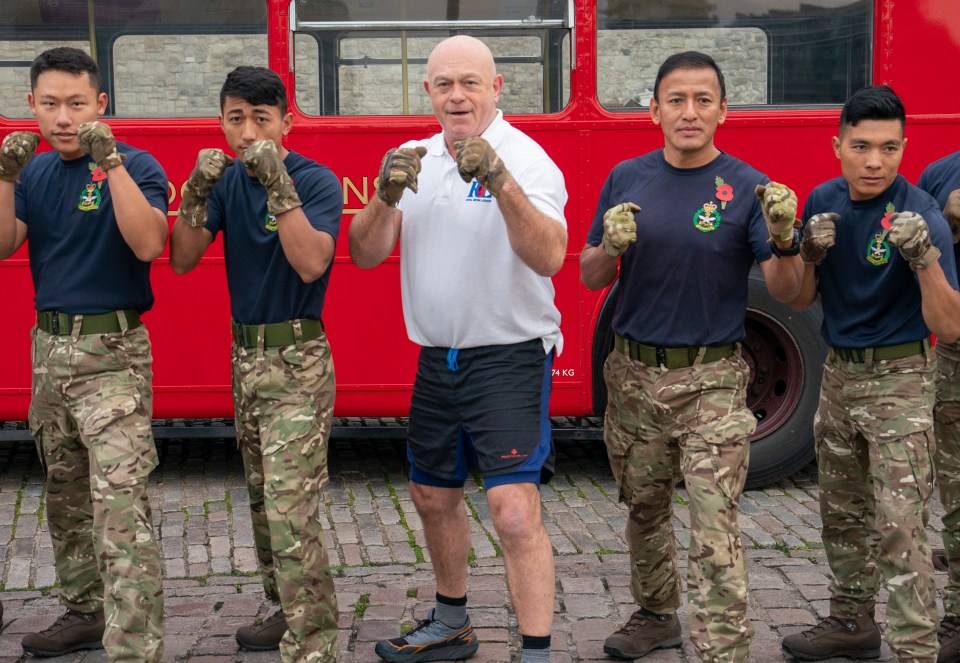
(462, 284)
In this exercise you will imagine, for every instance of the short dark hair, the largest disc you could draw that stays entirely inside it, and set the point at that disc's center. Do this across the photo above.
(689, 60)
(875, 102)
(70, 60)
(258, 86)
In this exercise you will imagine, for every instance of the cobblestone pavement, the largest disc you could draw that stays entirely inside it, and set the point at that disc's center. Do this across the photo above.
(383, 574)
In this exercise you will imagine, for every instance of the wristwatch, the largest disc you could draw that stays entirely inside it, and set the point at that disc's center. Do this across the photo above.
(791, 250)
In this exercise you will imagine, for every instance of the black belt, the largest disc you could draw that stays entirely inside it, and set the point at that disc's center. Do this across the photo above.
(61, 324)
(884, 352)
(681, 357)
(276, 334)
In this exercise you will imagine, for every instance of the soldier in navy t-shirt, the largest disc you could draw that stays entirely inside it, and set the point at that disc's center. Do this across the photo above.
(685, 225)
(879, 253)
(95, 212)
(941, 179)
(279, 214)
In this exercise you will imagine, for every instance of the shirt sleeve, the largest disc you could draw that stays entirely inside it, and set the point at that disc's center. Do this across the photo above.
(759, 233)
(322, 198)
(146, 171)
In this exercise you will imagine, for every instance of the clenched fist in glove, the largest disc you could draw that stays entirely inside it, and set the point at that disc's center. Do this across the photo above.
(263, 160)
(476, 158)
(96, 139)
(779, 205)
(951, 211)
(909, 233)
(15, 152)
(819, 235)
(619, 228)
(398, 171)
(211, 164)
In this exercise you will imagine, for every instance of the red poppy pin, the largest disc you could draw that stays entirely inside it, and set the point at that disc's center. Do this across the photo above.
(724, 192)
(885, 221)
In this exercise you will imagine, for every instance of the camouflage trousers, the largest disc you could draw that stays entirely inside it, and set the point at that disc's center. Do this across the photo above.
(693, 424)
(283, 400)
(946, 417)
(90, 416)
(875, 446)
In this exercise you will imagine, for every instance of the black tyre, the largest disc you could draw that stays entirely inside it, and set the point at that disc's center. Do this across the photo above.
(785, 353)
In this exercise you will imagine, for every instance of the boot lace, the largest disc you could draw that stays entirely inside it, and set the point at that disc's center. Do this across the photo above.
(829, 624)
(66, 620)
(636, 622)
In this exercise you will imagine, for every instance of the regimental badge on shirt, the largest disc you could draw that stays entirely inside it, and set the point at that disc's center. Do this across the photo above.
(706, 218)
(271, 223)
(90, 197)
(878, 252)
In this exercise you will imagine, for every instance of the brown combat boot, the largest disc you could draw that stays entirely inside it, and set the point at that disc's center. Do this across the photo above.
(265, 635)
(949, 638)
(833, 637)
(72, 632)
(644, 632)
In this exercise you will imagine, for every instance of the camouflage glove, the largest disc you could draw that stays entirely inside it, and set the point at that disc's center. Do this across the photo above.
(909, 233)
(951, 211)
(211, 164)
(819, 235)
(779, 205)
(619, 229)
(475, 158)
(96, 139)
(263, 159)
(15, 152)
(398, 171)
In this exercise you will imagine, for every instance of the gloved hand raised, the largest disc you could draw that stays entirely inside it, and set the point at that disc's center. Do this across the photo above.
(619, 228)
(96, 139)
(477, 159)
(779, 205)
(264, 161)
(819, 234)
(211, 164)
(398, 171)
(909, 233)
(15, 152)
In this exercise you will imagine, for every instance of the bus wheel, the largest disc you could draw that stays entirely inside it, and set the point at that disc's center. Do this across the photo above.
(785, 353)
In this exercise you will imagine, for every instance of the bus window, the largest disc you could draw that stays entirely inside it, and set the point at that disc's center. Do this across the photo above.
(362, 58)
(780, 53)
(158, 58)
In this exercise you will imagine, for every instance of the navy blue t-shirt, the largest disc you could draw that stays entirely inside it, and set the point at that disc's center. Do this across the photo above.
(264, 288)
(870, 295)
(79, 260)
(699, 231)
(939, 179)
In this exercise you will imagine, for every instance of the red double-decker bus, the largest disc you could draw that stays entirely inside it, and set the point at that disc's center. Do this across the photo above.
(578, 79)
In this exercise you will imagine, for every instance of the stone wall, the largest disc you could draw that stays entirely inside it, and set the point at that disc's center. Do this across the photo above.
(180, 76)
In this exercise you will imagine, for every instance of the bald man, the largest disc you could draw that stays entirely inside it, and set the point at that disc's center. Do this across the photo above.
(483, 231)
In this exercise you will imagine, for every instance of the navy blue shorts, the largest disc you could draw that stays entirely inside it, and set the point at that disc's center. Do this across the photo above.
(481, 407)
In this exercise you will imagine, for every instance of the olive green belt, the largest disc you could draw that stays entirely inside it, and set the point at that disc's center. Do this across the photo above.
(61, 324)
(276, 334)
(884, 352)
(671, 357)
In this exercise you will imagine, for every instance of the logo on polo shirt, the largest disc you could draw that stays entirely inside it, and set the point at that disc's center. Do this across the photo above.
(479, 193)
(271, 223)
(90, 197)
(878, 252)
(706, 218)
